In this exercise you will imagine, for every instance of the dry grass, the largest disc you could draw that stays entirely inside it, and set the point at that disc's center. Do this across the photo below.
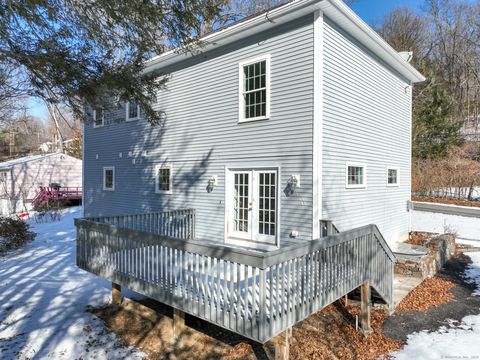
(431, 292)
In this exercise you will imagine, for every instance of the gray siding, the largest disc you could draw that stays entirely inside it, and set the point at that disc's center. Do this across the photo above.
(366, 119)
(201, 136)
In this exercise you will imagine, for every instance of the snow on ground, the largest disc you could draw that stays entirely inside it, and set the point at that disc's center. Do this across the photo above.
(474, 243)
(463, 226)
(449, 342)
(43, 297)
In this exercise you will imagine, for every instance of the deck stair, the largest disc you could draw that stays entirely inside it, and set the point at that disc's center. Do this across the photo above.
(52, 197)
(257, 294)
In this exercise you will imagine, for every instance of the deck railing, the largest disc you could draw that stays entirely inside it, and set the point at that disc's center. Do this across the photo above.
(179, 224)
(256, 294)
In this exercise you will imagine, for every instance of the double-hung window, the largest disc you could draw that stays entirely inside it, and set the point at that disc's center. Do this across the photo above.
(393, 174)
(109, 178)
(132, 109)
(163, 179)
(98, 118)
(254, 89)
(355, 176)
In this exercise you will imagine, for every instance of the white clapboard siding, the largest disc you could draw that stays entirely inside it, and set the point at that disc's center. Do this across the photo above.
(201, 136)
(366, 119)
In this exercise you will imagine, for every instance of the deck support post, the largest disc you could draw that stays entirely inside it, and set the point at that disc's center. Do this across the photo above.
(365, 308)
(282, 347)
(116, 294)
(178, 322)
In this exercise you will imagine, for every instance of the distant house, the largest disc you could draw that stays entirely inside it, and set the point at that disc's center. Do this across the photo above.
(20, 179)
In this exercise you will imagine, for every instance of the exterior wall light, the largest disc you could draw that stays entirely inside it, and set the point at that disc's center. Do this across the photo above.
(212, 182)
(292, 184)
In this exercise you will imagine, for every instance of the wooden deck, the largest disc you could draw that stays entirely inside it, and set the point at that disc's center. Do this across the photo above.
(54, 197)
(257, 294)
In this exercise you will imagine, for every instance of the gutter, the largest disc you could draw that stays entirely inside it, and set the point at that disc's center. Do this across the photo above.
(336, 10)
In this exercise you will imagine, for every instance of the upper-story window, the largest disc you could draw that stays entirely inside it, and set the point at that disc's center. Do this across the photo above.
(393, 176)
(132, 110)
(255, 89)
(163, 179)
(98, 118)
(356, 176)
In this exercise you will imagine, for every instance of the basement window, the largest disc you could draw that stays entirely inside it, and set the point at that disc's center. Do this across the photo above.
(109, 178)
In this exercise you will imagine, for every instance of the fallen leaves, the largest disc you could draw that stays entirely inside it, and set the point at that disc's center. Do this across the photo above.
(431, 292)
(331, 334)
(418, 238)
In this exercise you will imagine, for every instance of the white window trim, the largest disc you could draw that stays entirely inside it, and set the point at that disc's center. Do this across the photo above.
(231, 239)
(127, 111)
(95, 119)
(105, 168)
(356, 186)
(163, 166)
(398, 176)
(241, 99)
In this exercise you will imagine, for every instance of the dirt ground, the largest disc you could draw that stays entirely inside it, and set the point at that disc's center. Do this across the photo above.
(328, 334)
(447, 201)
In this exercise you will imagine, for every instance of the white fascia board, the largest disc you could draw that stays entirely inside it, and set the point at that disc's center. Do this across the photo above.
(346, 18)
(336, 10)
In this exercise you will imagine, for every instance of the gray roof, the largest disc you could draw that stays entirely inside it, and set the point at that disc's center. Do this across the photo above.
(11, 163)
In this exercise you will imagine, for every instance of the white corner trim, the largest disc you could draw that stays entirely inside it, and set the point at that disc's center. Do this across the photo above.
(127, 111)
(397, 184)
(241, 101)
(163, 166)
(105, 168)
(317, 121)
(356, 186)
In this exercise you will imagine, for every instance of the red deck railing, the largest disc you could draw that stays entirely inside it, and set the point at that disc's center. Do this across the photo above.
(55, 196)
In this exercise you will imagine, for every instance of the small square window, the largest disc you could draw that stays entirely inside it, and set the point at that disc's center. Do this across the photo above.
(109, 178)
(163, 179)
(355, 176)
(132, 109)
(393, 176)
(98, 118)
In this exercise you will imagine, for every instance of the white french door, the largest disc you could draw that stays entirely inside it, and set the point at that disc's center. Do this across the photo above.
(252, 207)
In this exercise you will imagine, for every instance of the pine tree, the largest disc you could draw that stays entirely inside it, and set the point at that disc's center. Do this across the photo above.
(435, 130)
(88, 52)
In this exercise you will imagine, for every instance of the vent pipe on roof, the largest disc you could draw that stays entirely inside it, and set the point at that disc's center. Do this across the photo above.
(406, 55)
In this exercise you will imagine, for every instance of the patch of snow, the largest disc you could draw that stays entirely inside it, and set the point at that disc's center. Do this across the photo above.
(472, 272)
(452, 342)
(474, 243)
(43, 297)
(462, 226)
